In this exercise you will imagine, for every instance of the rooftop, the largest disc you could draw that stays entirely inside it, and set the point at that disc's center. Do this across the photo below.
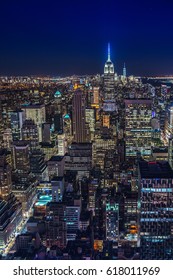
(43, 200)
(66, 116)
(155, 169)
(57, 94)
(56, 158)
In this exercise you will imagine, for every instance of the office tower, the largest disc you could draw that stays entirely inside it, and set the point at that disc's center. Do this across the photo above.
(112, 221)
(17, 119)
(138, 130)
(79, 159)
(46, 132)
(67, 125)
(5, 178)
(57, 101)
(78, 117)
(130, 221)
(58, 123)
(56, 230)
(49, 150)
(30, 133)
(27, 241)
(96, 95)
(38, 165)
(99, 149)
(10, 218)
(62, 143)
(38, 115)
(90, 121)
(72, 220)
(170, 152)
(10, 208)
(109, 84)
(124, 71)
(106, 120)
(20, 158)
(56, 166)
(26, 193)
(92, 187)
(100, 219)
(168, 127)
(57, 184)
(155, 206)
(7, 138)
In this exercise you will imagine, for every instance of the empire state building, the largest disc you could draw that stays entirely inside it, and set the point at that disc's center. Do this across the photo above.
(109, 84)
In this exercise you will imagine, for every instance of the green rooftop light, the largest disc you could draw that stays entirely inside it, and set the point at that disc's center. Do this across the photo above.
(57, 94)
(66, 116)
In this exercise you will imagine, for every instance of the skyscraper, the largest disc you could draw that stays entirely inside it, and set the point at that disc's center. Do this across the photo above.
(20, 156)
(138, 113)
(155, 205)
(78, 116)
(38, 115)
(112, 221)
(5, 179)
(16, 121)
(109, 84)
(30, 133)
(124, 71)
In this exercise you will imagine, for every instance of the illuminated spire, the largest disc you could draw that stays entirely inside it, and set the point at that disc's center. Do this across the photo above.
(124, 70)
(109, 55)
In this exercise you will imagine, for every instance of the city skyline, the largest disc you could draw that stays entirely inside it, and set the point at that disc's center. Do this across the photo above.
(86, 167)
(67, 38)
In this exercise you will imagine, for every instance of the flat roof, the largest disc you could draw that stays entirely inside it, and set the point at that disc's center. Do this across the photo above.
(155, 169)
(56, 158)
(43, 200)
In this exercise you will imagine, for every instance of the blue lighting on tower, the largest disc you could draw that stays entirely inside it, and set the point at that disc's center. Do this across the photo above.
(109, 52)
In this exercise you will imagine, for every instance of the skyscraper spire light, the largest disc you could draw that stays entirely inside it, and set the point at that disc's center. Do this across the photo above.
(124, 71)
(109, 56)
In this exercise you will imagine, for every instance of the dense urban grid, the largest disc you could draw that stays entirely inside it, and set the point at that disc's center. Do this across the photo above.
(86, 167)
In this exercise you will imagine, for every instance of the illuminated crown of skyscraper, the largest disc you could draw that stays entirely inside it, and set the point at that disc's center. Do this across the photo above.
(109, 66)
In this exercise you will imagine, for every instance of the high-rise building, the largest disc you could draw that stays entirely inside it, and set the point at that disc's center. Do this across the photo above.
(25, 192)
(46, 132)
(79, 159)
(112, 221)
(67, 129)
(36, 113)
(168, 127)
(96, 95)
(90, 120)
(17, 119)
(56, 231)
(72, 220)
(10, 218)
(57, 188)
(30, 133)
(38, 166)
(109, 84)
(58, 123)
(56, 166)
(78, 117)
(124, 71)
(58, 101)
(62, 143)
(155, 205)
(5, 179)
(20, 158)
(7, 138)
(138, 130)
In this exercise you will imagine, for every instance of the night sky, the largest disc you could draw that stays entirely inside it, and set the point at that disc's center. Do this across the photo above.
(70, 37)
